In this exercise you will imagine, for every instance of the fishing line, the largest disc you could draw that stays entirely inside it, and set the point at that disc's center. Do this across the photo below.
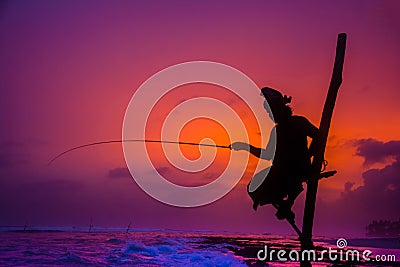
(135, 140)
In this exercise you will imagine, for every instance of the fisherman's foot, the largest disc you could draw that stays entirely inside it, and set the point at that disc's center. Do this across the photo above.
(285, 214)
(284, 211)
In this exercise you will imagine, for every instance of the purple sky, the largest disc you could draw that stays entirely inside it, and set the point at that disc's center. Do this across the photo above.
(69, 70)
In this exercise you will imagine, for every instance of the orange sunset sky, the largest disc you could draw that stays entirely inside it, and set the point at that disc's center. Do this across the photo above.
(70, 69)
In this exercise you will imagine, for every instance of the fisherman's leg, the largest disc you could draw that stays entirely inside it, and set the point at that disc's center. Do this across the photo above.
(264, 187)
(285, 205)
(293, 193)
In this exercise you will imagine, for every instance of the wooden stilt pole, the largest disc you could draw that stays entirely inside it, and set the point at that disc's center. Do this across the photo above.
(320, 144)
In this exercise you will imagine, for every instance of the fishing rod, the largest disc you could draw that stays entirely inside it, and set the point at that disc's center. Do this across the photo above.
(135, 140)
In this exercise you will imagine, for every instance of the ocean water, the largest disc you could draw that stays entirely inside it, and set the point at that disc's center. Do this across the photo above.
(111, 248)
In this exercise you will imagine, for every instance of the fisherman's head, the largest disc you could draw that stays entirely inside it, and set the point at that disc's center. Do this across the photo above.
(276, 104)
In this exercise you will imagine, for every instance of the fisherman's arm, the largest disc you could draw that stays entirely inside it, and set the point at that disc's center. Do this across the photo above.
(256, 151)
(311, 131)
(262, 153)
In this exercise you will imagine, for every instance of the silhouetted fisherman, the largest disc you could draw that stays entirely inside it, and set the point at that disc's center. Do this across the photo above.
(292, 161)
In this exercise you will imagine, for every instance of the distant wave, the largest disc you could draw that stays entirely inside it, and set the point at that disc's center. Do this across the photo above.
(162, 248)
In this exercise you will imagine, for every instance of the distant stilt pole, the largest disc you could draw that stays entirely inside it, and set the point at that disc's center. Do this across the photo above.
(129, 227)
(91, 225)
(320, 145)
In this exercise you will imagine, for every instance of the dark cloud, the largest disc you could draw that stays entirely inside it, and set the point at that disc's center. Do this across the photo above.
(231, 101)
(381, 186)
(118, 173)
(374, 151)
(163, 171)
(377, 198)
(15, 154)
(381, 189)
(348, 186)
(12, 154)
(187, 179)
(379, 195)
(11, 160)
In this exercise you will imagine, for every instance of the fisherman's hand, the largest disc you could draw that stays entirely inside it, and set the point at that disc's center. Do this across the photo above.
(240, 146)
